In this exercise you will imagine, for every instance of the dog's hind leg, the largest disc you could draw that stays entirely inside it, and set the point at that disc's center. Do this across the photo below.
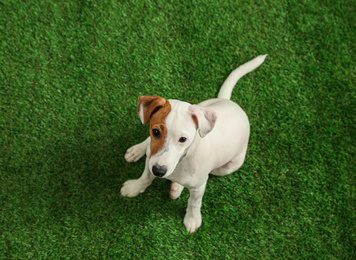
(176, 190)
(231, 166)
(136, 152)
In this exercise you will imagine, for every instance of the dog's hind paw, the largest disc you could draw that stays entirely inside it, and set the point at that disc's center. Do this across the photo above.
(176, 190)
(135, 153)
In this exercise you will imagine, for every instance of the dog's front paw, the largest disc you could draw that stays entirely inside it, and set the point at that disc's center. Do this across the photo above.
(132, 188)
(135, 153)
(192, 222)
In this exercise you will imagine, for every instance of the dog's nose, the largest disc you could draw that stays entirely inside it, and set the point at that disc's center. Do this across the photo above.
(158, 170)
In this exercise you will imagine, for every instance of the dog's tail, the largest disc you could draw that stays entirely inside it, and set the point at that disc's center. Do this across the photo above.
(230, 82)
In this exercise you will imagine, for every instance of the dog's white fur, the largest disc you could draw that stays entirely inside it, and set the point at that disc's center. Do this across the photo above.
(216, 143)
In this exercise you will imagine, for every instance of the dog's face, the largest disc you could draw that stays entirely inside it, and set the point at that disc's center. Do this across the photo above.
(173, 128)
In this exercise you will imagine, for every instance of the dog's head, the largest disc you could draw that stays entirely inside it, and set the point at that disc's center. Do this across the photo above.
(173, 128)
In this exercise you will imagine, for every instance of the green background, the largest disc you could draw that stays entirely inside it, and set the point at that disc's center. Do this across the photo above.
(70, 75)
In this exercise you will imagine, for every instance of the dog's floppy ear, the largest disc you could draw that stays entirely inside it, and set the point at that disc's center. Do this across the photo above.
(147, 106)
(204, 119)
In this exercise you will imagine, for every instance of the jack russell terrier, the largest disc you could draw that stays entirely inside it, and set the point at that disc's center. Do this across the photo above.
(187, 142)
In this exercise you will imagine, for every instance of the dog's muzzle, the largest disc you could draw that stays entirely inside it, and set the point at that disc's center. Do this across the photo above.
(158, 170)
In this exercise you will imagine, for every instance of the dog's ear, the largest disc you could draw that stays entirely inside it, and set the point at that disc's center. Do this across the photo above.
(148, 105)
(204, 119)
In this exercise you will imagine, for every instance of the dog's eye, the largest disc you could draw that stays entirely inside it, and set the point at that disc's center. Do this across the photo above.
(156, 133)
(182, 139)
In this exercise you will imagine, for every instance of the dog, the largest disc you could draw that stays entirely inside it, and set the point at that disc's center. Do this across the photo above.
(187, 142)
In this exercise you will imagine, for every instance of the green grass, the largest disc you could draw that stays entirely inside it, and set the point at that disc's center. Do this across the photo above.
(70, 74)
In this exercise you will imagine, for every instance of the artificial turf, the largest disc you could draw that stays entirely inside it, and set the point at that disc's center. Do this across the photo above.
(70, 74)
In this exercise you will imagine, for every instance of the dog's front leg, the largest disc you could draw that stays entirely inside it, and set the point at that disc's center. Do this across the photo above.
(136, 152)
(132, 188)
(193, 219)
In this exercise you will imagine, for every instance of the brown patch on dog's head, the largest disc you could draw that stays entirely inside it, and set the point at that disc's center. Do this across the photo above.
(157, 109)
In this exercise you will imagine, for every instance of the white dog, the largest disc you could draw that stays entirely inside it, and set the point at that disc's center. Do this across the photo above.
(187, 142)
